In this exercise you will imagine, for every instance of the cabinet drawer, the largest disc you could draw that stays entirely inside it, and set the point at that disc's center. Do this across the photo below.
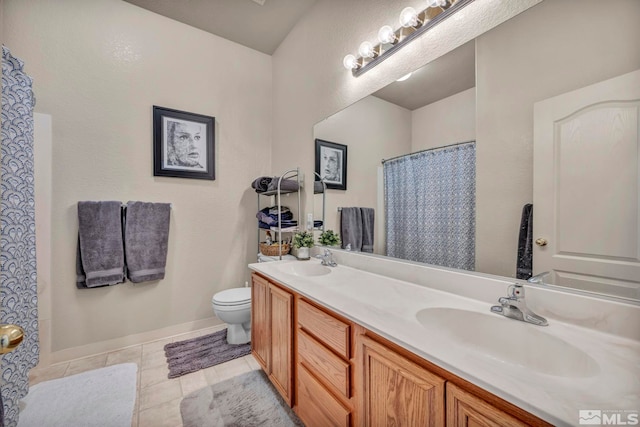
(324, 363)
(316, 406)
(327, 329)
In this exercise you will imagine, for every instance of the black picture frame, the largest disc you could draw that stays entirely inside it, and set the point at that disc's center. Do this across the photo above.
(331, 164)
(183, 144)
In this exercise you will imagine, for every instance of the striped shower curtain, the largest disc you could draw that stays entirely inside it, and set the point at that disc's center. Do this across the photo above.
(18, 294)
(430, 206)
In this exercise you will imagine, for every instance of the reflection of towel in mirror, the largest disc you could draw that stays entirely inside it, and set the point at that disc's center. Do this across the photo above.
(524, 267)
(100, 256)
(351, 228)
(146, 237)
(367, 229)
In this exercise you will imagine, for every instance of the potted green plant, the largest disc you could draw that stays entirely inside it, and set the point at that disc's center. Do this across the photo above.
(302, 241)
(329, 238)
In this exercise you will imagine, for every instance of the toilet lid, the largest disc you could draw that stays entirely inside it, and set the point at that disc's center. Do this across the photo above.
(234, 296)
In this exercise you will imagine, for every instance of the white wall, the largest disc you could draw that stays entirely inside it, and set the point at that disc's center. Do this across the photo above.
(372, 129)
(98, 69)
(552, 48)
(448, 121)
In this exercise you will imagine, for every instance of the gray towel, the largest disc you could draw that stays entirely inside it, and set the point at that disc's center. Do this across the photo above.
(146, 237)
(285, 184)
(318, 187)
(351, 228)
(261, 184)
(367, 229)
(100, 255)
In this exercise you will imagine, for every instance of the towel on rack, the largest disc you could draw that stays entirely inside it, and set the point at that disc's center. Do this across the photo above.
(263, 184)
(100, 254)
(351, 228)
(285, 184)
(318, 187)
(368, 215)
(524, 267)
(146, 237)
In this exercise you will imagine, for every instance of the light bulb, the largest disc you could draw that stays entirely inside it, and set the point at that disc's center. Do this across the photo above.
(405, 77)
(350, 62)
(386, 35)
(366, 50)
(408, 17)
(436, 3)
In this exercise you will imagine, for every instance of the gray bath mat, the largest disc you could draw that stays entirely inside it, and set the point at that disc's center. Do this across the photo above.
(202, 352)
(244, 401)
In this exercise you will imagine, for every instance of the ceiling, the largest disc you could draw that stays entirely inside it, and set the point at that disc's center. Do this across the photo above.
(263, 24)
(450, 74)
(258, 24)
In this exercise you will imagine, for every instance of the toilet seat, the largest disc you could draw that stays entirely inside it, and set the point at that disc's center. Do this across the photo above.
(234, 297)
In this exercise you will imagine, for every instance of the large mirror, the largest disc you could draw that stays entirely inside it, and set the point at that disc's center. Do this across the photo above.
(553, 67)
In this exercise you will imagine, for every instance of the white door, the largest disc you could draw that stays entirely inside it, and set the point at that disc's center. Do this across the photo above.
(585, 187)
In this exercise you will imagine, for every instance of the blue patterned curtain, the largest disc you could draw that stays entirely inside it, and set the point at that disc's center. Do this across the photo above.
(18, 294)
(430, 205)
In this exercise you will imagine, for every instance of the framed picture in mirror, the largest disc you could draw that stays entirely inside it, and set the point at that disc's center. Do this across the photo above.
(331, 164)
(183, 144)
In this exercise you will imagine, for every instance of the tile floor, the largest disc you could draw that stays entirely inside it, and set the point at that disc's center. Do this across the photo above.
(158, 398)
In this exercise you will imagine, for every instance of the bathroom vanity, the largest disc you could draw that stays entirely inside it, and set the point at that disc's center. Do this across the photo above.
(345, 346)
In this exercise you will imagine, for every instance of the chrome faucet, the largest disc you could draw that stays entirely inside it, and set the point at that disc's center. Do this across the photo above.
(327, 258)
(538, 279)
(514, 307)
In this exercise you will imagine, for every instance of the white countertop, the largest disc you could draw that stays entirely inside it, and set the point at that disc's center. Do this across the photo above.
(389, 306)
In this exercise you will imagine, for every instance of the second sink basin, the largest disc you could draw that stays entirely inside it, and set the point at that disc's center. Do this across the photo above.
(300, 268)
(509, 341)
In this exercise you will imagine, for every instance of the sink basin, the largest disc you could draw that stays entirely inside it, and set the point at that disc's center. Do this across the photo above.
(510, 341)
(304, 269)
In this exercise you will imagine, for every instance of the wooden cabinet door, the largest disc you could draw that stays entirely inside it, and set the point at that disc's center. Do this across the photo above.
(465, 409)
(281, 322)
(260, 333)
(397, 391)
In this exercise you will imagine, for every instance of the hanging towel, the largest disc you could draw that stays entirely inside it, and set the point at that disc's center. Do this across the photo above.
(318, 187)
(351, 228)
(100, 255)
(524, 265)
(367, 229)
(146, 237)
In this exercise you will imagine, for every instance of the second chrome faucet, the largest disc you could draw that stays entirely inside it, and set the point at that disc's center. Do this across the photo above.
(327, 258)
(515, 307)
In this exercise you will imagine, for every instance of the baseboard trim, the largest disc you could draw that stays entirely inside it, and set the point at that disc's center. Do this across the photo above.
(119, 343)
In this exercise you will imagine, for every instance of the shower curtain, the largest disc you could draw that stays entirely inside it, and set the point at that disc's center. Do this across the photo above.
(430, 206)
(18, 294)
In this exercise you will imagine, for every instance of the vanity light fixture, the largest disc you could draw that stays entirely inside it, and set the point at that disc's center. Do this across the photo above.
(412, 25)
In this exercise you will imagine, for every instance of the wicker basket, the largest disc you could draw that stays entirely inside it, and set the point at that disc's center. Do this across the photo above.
(274, 249)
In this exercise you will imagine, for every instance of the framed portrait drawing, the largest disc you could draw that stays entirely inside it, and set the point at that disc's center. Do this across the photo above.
(183, 144)
(331, 164)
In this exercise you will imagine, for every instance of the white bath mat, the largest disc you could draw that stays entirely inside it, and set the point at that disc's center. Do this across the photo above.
(102, 398)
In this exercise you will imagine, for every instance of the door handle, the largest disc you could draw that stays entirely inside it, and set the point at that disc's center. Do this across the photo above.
(10, 337)
(541, 242)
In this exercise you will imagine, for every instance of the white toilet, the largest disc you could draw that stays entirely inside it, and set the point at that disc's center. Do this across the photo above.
(233, 306)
